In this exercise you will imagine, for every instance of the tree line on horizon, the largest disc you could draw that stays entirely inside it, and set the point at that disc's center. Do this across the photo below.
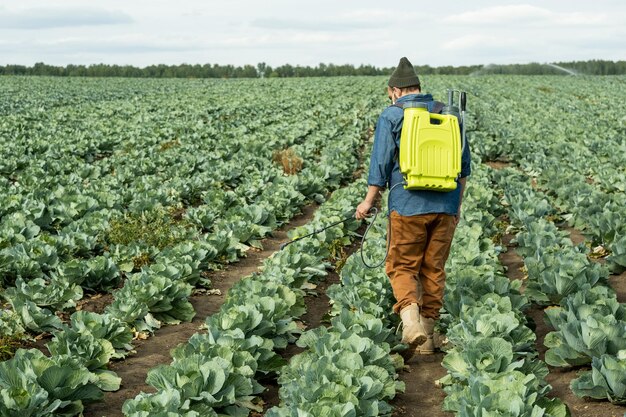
(262, 70)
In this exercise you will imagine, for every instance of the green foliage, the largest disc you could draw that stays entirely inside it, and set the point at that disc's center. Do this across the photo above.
(33, 317)
(10, 324)
(606, 380)
(93, 340)
(262, 316)
(492, 316)
(584, 332)
(152, 297)
(491, 355)
(217, 372)
(31, 384)
(165, 403)
(262, 70)
(154, 228)
(618, 254)
(560, 273)
(54, 293)
(510, 393)
(215, 383)
(339, 369)
(365, 325)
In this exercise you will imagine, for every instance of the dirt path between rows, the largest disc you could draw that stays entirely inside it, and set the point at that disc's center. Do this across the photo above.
(156, 349)
(422, 397)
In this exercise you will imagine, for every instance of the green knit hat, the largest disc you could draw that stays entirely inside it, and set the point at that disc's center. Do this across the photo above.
(404, 75)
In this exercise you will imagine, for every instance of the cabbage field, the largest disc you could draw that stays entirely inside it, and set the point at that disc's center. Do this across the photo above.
(123, 200)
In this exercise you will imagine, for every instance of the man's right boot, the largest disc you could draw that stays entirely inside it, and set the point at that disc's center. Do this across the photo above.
(428, 347)
(413, 332)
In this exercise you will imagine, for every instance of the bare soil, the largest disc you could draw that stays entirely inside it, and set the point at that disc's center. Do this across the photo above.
(499, 164)
(156, 349)
(95, 303)
(575, 235)
(422, 397)
(618, 282)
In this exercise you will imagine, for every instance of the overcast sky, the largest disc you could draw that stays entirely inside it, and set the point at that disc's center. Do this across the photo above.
(142, 32)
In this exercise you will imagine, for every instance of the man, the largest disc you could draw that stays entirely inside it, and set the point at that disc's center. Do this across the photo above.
(422, 223)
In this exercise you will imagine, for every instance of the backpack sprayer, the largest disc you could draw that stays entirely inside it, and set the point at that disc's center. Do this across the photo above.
(431, 149)
(432, 144)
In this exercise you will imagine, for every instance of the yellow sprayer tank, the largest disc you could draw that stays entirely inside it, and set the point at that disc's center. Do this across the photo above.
(430, 149)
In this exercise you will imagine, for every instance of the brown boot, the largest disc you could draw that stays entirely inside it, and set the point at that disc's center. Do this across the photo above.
(428, 347)
(413, 332)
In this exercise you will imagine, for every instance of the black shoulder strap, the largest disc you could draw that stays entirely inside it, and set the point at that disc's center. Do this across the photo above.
(437, 107)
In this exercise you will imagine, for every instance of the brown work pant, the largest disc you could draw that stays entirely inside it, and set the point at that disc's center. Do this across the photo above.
(418, 249)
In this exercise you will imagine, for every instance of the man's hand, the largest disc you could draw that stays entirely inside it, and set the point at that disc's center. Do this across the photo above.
(362, 210)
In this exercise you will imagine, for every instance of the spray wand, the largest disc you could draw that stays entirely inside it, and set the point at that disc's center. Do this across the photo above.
(463, 102)
(348, 217)
(451, 108)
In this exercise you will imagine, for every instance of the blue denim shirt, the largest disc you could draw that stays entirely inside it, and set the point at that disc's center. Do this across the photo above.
(385, 167)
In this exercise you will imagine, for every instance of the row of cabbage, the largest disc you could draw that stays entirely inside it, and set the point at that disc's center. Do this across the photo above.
(493, 366)
(588, 321)
(573, 142)
(220, 372)
(533, 120)
(600, 215)
(23, 94)
(156, 294)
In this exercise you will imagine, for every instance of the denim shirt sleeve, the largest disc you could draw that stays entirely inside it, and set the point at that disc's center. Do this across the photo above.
(383, 152)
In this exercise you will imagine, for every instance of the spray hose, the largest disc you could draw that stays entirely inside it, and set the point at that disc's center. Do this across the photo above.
(388, 234)
(378, 265)
(369, 226)
(351, 217)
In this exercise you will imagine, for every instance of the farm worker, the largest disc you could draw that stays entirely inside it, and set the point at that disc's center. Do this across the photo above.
(422, 222)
